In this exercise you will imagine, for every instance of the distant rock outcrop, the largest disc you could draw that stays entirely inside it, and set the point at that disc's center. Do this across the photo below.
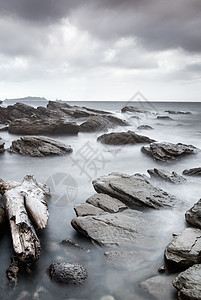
(192, 172)
(123, 138)
(168, 151)
(178, 112)
(39, 146)
(133, 109)
(144, 127)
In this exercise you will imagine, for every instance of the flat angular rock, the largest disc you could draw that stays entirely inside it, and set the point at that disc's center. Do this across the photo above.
(161, 174)
(189, 283)
(193, 215)
(106, 203)
(35, 126)
(2, 143)
(124, 138)
(120, 229)
(98, 123)
(168, 151)
(68, 273)
(39, 146)
(135, 190)
(185, 248)
(192, 172)
(86, 209)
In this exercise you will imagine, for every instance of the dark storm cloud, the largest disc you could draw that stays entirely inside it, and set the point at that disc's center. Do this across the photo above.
(158, 24)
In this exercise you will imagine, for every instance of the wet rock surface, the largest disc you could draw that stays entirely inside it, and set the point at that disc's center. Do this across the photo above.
(2, 143)
(135, 190)
(123, 138)
(168, 151)
(38, 146)
(106, 203)
(185, 248)
(98, 123)
(192, 172)
(166, 118)
(193, 215)
(34, 126)
(144, 127)
(161, 174)
(2, 216)
(68, 273)
(188, 283)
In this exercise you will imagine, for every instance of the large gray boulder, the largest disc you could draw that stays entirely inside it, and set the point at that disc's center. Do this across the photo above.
(34, 126)
(2, 143)
(123, 138)
(185, 248)
(192, 172)
(193, 215)
(39, 146)
(188, 283)
(165, 175)
(135, 190)
(98, 123)
(118, 229)
(168, 151)
(68, 273)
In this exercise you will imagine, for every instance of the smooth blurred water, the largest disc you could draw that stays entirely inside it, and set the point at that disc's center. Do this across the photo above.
(70, 179)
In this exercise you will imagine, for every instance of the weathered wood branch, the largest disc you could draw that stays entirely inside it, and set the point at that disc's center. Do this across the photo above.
(22, 201)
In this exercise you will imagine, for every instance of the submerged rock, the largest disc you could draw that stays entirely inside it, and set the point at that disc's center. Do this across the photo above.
(106, 203)
(2, 143)
(160, 287)
(123, 138)
(168, 151)
(144, 127)
(135, 190)
(35, 126)
(185, 248)
(39, 146)
(161, 174)
(68, 273)
(98, 123)
(189, 283)
(193, 215)
(164, 118)
(192, 172)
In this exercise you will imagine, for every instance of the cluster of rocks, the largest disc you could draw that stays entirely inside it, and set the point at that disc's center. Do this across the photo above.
(56, 118)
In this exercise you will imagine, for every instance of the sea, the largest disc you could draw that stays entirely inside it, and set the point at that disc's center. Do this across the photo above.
(70, 180)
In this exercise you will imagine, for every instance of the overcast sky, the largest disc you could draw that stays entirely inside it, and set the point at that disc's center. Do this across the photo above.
(100, 49)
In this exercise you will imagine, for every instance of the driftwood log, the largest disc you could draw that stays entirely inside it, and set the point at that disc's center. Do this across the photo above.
(25, 203)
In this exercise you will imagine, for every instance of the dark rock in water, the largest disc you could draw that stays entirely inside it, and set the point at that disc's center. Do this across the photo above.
(135, 190)
(86, 209)
(106, 203)
(98, 123)
(193, 215)
(70, 243)
(68, 273)
(168, 151)
(159, 287)
(144, 127)
(13, 270)
(185, 248)
(164, 118)
(177, 112)
(120, 229)
(2, 143)
(133, 109)
(39, 146)
(172, 177)
(2, 216)
(192, 172)
(189, 283)
(123, 138)
(34, 126)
